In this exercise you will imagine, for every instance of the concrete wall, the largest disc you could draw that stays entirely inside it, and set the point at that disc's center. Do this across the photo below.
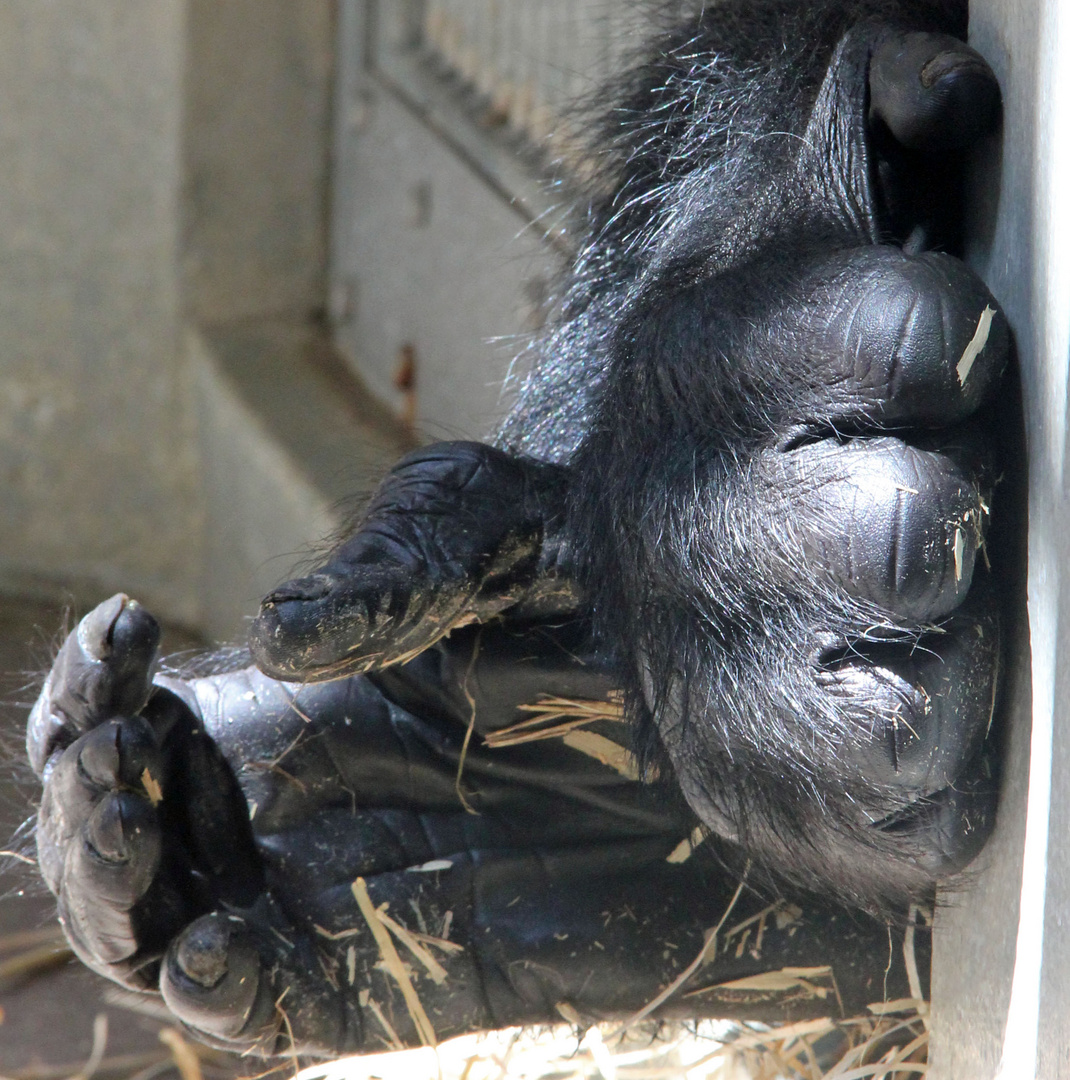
(1002, 944)
(258, 83)
(98, 476)
(163, 165)
(432, 267)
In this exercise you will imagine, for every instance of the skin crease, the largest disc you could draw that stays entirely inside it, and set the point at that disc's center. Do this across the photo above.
(739, 507)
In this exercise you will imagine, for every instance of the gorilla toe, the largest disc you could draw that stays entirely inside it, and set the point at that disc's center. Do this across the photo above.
(103, 670)
(933, 91)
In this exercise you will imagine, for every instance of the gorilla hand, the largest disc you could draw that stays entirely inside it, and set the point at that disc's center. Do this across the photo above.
(779, 501)
(558, 894)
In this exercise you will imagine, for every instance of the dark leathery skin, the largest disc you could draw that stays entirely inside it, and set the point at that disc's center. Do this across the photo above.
(933, 92)
(877, 339)
(102, 670)
(891, 523)
(776, 451)
(559, 887)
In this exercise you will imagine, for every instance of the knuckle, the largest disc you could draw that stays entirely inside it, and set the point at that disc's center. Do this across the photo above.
(117, 754)
(887, 522)
(102, 934)
(46, 731)
(923, 338)
(926, 703)
(98, 755)
(117, 856)
(212, 979)
(932, 91)
(102, 670)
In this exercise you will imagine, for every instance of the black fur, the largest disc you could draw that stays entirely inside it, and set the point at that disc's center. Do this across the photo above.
(664, 385)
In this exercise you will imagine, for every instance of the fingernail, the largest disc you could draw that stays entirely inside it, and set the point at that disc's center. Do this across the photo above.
(202, 953)
(314, 587)
(99, 757)
(134, 632)
(105, 831)
(952, 62)
(95, 630)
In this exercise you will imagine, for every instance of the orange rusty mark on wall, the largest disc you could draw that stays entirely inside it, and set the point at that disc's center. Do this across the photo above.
(405, 382)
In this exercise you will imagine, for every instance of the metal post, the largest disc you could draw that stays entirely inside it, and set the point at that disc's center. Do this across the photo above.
(1002, 944)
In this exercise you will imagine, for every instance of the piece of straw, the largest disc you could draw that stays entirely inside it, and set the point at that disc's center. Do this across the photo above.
(96, 1054)
(185, 1057)
(471, 725)
(709, 949)
(408, 939)
(393, 963)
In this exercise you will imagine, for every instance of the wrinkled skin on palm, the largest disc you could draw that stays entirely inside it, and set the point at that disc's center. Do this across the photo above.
(733, 526)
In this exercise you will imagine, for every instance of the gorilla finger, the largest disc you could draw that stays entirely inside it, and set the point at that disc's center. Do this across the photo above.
(212, 980)
(888, 522)
(948, 828)
(108, 868)
(122, 753)
(928, 703)
(104, 669)
(228, 977)
(119, 853)
(455, 534)
(118, 754)
(894, 339)
(112, 756)
(103, 937)
(933, 92)
(341, 623)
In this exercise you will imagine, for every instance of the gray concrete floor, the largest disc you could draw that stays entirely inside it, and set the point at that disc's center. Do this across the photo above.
(47, 1019)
